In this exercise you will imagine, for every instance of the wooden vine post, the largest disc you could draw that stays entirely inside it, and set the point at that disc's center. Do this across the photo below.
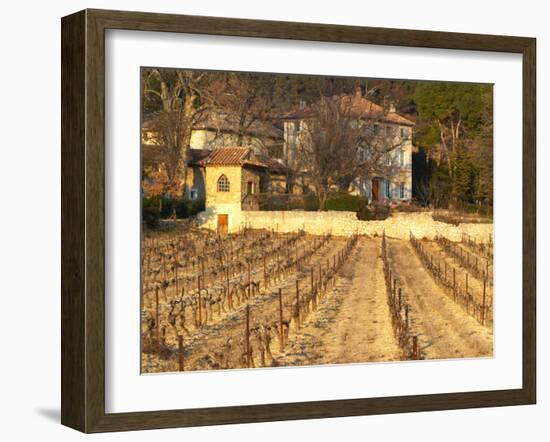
(180, 353)
(265, 274)
(298, 319)
(199, 299)
(157, 321)
(281, 332)
(484, 305)
(247, 336)
(249, 280)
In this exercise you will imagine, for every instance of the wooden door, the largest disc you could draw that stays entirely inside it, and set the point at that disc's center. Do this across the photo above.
(222, 224)
(376, 190)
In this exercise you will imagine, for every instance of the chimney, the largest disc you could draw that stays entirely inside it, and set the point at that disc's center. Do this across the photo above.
(391, 107)
(358, 92)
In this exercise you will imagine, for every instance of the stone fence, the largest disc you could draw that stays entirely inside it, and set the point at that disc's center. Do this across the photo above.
(339, 223)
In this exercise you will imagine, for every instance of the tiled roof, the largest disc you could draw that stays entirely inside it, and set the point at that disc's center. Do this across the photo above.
(273, 165)
(153, 154)
(195, 156)
(243, 156)
(227, 156)
(359, 107)
(219, 121)
(223, 156)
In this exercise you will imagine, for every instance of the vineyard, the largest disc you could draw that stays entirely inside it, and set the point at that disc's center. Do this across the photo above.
(259, 298)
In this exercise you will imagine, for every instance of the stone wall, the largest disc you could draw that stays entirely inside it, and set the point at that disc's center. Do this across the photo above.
(346, 223)
(222, 203)
(213, 197)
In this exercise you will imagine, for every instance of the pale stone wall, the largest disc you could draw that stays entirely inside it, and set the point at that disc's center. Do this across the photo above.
(295, 137)
(226, 203)
(209, 139)
(346, 223)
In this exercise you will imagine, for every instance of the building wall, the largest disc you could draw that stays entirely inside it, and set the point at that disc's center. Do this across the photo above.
(196, 181)
(228, 203)
(293, 139)
(209, 140)
(251, 175)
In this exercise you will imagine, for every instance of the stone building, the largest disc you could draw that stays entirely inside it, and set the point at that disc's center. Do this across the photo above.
(213, 130)
(234, 176)
(388, 127)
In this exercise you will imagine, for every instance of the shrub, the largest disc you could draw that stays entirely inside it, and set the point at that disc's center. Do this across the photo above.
(150, 216)
(311, 202)
(345, 202)
(186, 208)
(405, 206)
(374, 212)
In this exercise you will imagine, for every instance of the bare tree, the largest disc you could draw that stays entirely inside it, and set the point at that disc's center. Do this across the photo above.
(337, 146)
(175, 99)
(244, 99)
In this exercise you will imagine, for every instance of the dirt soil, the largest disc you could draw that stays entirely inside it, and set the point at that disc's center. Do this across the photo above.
(445, 330)
(353, 325)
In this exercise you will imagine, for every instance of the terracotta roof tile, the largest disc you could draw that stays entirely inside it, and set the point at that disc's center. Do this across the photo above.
(227, 156)
(359, 106)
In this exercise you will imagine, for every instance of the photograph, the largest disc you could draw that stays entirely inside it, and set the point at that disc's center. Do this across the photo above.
(298, 220)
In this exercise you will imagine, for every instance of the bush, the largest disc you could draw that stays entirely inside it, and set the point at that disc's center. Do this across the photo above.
(151, 216)
(311, 202)
(345, 202)
(165, 207)
(374, 212)
(405, 206)
(186, 208)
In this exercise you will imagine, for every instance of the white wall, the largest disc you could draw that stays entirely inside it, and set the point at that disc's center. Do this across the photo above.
(30, 234)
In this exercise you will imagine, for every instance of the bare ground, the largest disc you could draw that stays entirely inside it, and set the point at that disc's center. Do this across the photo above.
(444, 329)
(352, 322)
(353, 325)
(475, 285)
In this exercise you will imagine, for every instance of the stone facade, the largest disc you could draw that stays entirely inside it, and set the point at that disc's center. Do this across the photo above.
(223, 203)
(388, 129)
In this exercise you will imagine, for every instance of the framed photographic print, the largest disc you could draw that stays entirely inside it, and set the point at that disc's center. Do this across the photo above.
(267, 221)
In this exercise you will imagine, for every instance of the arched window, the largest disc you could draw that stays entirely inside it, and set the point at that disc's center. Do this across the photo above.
(223, 184)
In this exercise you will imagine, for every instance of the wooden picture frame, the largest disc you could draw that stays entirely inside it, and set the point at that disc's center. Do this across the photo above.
(83, 220)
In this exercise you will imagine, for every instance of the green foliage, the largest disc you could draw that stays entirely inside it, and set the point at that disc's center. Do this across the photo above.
(150, 216)
(344, 202)
(165, 207)
(285, 201)
(440, 185)
(186, 208)
(444, 101)
(464, 178)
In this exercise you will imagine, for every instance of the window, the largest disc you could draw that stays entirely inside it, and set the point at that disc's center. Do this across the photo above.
(388, 189)
(404, 133)
(402, 190)
(400, 157)
(223, 184)
(297, 126)
(249, 187)
(193, 193)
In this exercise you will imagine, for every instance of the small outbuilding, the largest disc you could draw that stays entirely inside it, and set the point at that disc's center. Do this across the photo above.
(233, 179)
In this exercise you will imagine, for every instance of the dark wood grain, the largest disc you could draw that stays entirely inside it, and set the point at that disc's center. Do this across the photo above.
(73, 129)
(83, 220)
